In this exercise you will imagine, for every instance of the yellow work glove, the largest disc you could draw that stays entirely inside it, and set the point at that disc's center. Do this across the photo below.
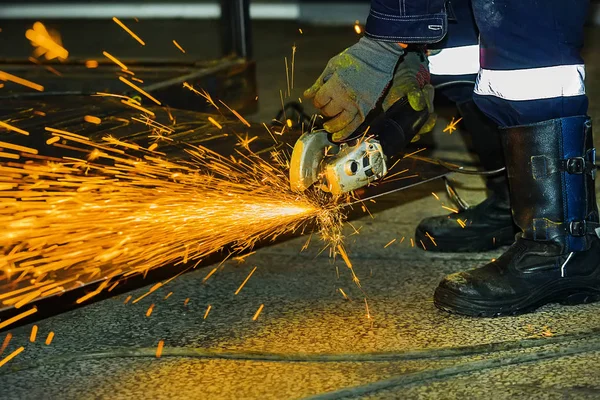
(412, 80)
(352, 84)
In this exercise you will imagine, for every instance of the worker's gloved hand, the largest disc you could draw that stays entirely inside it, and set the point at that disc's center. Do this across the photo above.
(412, 80)
(352, 83)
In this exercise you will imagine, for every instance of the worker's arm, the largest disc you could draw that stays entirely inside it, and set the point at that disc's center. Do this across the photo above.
(407, 21)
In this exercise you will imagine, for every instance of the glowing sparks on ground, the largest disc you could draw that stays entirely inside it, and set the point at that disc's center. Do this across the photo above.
(245, 280)
(178, 46)
(5, 76)
(127, 299)
(168, 295)
(6, 342)
(357, 27)
(389, 243)
(451, 127)
(126, 29)
(11, 356)
(91, 64)
(436, 196)
(185, 303)
(159, 348)
(258, 312)
(344, 294)
(207, 311)
(150, 309)
(33, 334)
(367, 309)
(49, 338)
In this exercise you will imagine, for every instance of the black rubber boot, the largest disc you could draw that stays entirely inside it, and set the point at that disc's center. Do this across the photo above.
(488, 225)
(556, 258)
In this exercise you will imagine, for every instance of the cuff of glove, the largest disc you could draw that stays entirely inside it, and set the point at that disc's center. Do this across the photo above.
(385, 49)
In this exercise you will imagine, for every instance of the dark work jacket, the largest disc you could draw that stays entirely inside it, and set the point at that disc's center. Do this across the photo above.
(407, 21)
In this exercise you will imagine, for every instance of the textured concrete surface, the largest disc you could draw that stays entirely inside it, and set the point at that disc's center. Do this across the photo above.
(310, 333)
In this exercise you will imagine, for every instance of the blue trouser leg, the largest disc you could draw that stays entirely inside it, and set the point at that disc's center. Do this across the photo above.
(456, 57)
(531, 67)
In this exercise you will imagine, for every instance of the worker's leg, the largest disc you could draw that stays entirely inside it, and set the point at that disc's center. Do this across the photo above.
(454, 64)
(531, 83)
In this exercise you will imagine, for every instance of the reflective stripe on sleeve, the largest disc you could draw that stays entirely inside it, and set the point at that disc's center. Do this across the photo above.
(462, 60)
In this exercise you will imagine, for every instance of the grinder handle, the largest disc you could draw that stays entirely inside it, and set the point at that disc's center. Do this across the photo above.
(395, 128)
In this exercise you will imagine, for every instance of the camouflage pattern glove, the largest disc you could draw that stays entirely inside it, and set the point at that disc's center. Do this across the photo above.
(352, 83)
(412, 80)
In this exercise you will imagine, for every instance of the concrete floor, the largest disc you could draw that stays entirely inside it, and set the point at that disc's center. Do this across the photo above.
(309, 340)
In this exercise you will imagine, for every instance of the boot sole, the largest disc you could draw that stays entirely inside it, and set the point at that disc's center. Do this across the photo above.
(504, 237)
(448, 301)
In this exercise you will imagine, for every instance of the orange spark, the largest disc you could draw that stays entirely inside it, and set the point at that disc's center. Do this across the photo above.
(344, 294)
(185, 303)
(207, 311)
(127, 299)
(455, 211)
(203, 93)
(5, 76)
(245, 280)
(215, 123)
(6, 341)
(178, 46)
(140, 90)
(46, 43)
(13, 128)
(92, 120)
(150, 309)
(431, 238)
(33, 334)
(115, 60)
(168, 295)
(12, 355)
(159, 348)
(140, 108)
(49, 338)
(367, 308)
(16, 147)
(126, 29)
(236, 114)
(435, 195)
(389, 243)
(258, 312)
(414, 152)
(357, 27)
(91, 64)
(451, 127)
(18, 317)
